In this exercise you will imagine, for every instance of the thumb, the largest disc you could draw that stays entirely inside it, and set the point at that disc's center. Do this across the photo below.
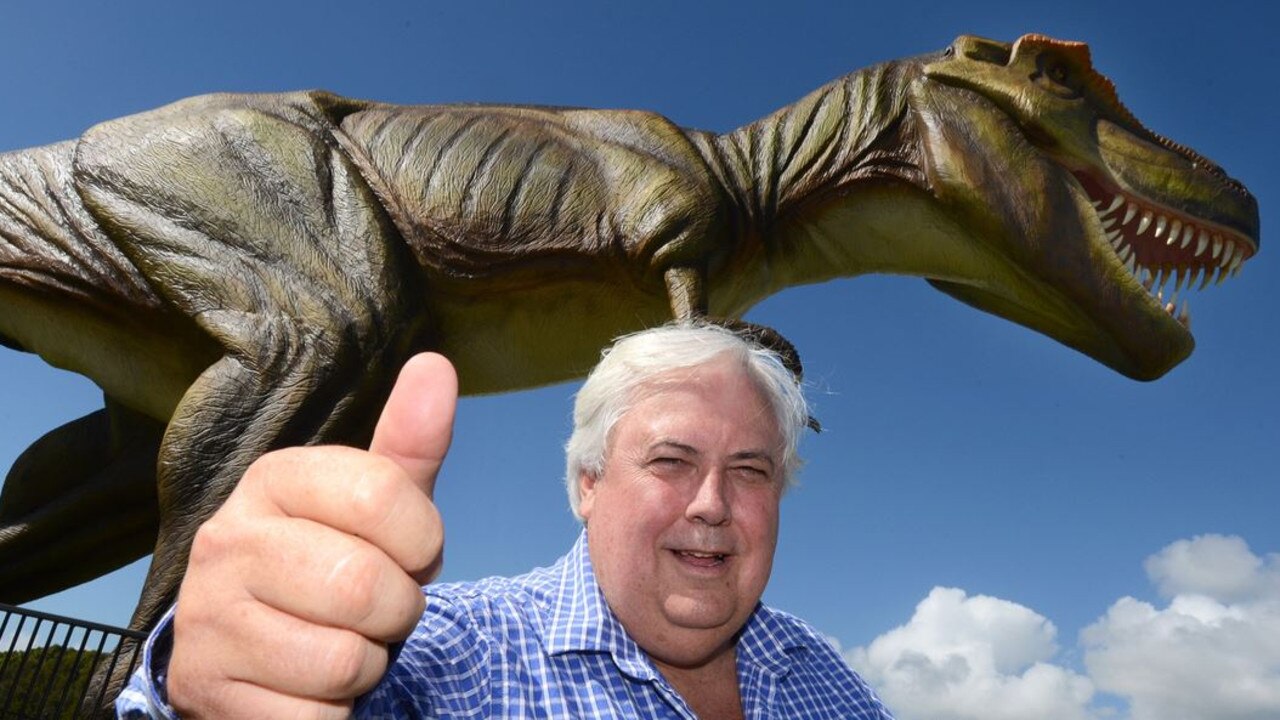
(416, 425)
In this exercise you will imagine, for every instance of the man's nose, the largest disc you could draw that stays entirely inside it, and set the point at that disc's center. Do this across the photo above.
(710, 504)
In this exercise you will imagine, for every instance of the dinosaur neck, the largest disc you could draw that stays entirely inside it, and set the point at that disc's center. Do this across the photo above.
(797, 175)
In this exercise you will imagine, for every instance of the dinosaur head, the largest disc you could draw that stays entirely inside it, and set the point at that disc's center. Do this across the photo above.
(1162, 217)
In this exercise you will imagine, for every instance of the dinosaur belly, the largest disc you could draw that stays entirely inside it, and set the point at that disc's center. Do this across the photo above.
(541, 334)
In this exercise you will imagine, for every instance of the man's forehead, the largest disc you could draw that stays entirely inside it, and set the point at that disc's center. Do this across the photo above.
(670, 409)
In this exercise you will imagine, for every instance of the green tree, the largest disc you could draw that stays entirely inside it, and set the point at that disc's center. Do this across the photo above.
(45, 683)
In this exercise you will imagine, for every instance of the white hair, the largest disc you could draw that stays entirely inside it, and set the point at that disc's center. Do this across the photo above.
(628, 368)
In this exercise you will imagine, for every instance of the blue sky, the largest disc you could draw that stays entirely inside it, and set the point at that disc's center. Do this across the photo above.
(962, 452)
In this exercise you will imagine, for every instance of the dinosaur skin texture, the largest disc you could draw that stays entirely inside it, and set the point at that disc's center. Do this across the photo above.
(245, 272)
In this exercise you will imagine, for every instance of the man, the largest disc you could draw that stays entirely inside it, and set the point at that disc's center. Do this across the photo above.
(684, 441)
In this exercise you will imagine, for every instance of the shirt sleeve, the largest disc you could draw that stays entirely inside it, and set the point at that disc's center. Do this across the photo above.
(145, 696)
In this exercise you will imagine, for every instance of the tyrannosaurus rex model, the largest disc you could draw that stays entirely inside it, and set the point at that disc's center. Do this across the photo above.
(244, 272)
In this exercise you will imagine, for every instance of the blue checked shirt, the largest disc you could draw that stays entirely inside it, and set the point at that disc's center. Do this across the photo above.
(545, 645)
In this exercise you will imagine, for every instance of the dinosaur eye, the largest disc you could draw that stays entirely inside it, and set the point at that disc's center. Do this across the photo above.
(1055, 75)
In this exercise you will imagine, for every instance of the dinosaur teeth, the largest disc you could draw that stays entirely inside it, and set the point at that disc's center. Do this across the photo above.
(1208, 275)
(1179, 253)
(1228, 249)
(1145, 222)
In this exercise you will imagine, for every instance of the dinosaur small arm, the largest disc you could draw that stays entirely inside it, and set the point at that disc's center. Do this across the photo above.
(245, 272)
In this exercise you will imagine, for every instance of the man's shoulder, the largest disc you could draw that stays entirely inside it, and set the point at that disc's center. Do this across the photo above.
(822, 677)
(790, 631)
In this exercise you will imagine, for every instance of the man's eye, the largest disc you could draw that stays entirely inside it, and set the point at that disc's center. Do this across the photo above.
(751, 472)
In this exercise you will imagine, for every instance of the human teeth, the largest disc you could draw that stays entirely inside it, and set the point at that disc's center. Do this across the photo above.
(1161, 222)
(1145, 222)
(700, 555)
(1130, 210)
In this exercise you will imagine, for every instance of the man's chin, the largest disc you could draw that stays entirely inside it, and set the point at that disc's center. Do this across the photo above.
(698, 612)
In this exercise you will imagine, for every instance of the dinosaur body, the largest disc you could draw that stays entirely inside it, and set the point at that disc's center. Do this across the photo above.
(241, 273)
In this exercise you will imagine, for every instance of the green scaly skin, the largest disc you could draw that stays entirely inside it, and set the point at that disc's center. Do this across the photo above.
(245, 272)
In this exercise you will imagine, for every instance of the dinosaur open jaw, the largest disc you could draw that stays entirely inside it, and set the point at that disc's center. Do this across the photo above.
(1166, 251)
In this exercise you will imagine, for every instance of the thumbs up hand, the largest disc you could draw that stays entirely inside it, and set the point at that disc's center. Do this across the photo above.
(313, 565)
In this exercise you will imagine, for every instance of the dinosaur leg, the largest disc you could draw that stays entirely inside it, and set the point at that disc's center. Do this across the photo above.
(80, 502)
(267, 236)
(236, 412)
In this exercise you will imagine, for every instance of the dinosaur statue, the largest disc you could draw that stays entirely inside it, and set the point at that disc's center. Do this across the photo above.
(244, 272)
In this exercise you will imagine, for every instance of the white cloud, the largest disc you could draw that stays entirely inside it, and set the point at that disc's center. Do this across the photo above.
(972, 657)
(1212, 654)
(1217, 566)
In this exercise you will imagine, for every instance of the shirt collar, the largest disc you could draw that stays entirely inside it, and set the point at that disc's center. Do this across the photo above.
(581, 621)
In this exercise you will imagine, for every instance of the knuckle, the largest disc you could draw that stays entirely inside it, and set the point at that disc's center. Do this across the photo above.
(265, 466)
(218, 537)
(356, 582)
(373, 497)
(428, 551)
(350, 662)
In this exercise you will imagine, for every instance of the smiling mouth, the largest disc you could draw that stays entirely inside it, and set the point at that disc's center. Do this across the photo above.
(700, 559)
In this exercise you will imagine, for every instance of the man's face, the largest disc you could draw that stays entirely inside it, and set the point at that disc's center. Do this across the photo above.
(683, 522)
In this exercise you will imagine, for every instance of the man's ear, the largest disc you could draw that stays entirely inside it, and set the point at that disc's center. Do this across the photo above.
(586, 493)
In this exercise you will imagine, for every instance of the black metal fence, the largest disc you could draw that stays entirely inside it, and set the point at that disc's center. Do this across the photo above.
(55, 667)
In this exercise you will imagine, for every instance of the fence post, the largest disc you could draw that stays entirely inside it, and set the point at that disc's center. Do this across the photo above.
(46, 674)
